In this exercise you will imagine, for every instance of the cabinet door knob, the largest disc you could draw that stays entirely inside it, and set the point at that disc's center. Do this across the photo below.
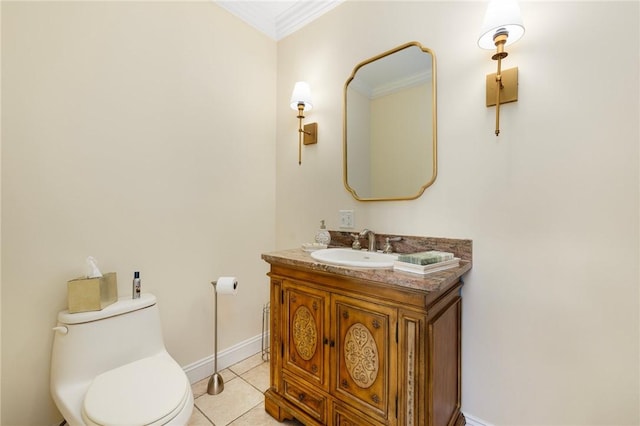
(326, 341)
(301, 397)
(332, 343)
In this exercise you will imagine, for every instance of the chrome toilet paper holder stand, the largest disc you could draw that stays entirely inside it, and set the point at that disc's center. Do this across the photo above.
(216, 383)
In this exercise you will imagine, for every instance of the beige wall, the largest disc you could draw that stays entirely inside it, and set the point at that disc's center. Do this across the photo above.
(124, 136)
(0, 216)
(551, 306)
(142, 134)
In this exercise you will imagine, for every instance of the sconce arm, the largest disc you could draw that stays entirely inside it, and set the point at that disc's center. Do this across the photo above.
(300, 130)
(499, 39)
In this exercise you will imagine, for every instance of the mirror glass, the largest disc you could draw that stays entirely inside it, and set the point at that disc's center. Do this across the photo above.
(390, 125)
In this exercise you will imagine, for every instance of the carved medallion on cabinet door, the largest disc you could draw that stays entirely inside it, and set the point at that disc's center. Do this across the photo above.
(305, 330)
(365, 350)
(361, 355)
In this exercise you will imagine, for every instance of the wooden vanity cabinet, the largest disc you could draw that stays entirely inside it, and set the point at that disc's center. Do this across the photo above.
(353, 352)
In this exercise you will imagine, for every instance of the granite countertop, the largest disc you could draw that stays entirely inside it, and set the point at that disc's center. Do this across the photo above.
(299, 259)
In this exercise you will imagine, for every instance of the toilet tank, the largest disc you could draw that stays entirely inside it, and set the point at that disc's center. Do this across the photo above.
(89, 343)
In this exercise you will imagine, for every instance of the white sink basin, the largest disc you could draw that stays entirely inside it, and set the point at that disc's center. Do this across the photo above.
(355, 258)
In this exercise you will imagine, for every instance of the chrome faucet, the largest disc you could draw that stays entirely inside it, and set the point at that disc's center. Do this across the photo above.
(388, 248)
(372, 238)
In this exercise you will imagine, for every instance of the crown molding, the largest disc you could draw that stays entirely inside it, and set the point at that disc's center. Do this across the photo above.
(278, 19)
(301, 14)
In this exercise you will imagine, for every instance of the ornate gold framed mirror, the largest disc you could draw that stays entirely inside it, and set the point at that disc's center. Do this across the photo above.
(389, 133)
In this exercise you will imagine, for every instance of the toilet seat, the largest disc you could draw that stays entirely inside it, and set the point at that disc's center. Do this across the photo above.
(150, 391)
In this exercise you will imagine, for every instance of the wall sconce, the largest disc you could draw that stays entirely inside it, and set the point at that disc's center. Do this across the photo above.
(502, 26)
(301, 101)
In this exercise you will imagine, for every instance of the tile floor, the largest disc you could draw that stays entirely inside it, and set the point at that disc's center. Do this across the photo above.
(241, 403)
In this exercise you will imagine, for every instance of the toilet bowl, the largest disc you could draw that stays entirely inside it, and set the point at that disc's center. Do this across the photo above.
(110, 367)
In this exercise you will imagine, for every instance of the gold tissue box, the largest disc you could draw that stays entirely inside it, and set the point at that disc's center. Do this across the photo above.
(92, 294)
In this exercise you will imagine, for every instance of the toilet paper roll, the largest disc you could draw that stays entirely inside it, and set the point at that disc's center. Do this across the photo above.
(227, 285)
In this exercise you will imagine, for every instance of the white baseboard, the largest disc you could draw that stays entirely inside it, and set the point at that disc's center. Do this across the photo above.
(474, 421)
(204, 368)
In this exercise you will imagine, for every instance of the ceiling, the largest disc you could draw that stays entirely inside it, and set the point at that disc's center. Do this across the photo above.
(278, 19)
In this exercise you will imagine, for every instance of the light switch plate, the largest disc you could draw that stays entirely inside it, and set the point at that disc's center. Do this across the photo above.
(346, 219)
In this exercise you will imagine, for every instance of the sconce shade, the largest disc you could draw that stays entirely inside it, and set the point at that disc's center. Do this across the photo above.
(301, 94)
(501, 15)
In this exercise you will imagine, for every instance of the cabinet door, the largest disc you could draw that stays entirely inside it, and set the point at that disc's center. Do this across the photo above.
(365, 351)
(305, 333)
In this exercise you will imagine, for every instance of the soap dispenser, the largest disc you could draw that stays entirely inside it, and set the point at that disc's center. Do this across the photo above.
(323, 236)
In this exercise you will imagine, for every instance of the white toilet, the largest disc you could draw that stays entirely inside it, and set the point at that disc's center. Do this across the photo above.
(110, 367)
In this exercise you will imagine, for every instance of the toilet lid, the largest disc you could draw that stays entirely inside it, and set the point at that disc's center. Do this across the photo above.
(143, 392)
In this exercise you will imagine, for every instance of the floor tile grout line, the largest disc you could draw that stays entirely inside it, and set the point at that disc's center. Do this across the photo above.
(240, 376)
(244, 414)
(240, 362)
(203, 414)
(205, 392)
(252, 385)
